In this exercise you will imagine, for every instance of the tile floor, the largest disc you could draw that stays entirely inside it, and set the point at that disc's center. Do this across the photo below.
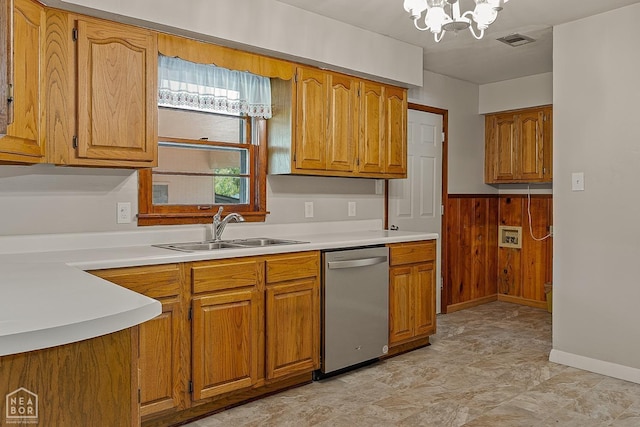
(487, 367)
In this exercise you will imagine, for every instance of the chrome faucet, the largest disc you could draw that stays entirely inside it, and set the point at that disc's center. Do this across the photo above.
(219, 224)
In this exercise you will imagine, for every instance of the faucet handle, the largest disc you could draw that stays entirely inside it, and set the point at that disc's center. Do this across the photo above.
(219, 214)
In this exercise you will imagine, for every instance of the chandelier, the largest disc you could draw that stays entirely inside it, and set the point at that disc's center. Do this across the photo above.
(439, 21)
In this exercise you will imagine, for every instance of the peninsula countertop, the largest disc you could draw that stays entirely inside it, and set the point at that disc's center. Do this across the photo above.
(47, 298)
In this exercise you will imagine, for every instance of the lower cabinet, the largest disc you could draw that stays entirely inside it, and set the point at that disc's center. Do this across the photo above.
(227, 325)
(230, 330)
(412, 291)
(161, 340)
(293, 315)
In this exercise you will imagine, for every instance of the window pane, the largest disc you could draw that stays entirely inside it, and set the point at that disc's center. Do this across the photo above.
(187, 124)
(200, 175)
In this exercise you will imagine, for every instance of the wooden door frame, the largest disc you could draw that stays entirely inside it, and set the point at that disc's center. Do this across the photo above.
(444, 295)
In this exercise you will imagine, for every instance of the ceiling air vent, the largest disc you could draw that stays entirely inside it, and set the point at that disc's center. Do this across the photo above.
(515, 40)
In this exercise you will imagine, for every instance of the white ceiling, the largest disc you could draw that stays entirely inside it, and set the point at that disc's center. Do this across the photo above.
(460, 55)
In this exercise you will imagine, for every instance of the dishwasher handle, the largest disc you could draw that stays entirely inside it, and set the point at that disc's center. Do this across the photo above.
(361, 262)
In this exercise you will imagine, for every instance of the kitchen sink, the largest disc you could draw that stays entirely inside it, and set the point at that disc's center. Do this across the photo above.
(227, 244)
(199, 246)
(264, 241)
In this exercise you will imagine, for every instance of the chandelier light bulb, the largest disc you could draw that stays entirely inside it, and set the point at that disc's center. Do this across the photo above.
(445, 15)
(435, 19)
(415, 7)
(484, 15)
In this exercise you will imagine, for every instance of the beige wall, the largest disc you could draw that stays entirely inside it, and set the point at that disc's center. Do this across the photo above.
(44, 199)
(596, 289)
(530, 91)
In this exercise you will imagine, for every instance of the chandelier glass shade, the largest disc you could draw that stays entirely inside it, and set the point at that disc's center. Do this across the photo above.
(444, 15)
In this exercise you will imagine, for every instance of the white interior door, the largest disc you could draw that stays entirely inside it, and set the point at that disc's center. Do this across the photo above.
(415, 202)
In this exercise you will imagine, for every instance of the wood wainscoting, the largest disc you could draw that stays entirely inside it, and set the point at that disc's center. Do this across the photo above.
(476, 270)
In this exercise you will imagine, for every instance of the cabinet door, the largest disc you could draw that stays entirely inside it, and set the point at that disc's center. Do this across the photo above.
(161, 340)
(396, 130)
(371, 155)
(225, 342)
(424, 299)
(159, 344)
(401, 325)
(24, 132)
(530, 146)
(503, 148)
(342, 135)
(117, 96)
(293, 328)
(311, 113)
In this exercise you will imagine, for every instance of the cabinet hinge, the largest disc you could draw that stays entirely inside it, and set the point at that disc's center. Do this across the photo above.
(294, 157)
(295, 78)
(358, 92)
(139, 396)
(74, 141)
(74, 34)
(441, 210)
(544, 171)
(357, 162)
(190, 386)
(190, 315)
(9, 93)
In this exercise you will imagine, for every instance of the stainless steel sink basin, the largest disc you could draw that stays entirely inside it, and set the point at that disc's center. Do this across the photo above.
(199, 246)
(227, 244)
(264, 241)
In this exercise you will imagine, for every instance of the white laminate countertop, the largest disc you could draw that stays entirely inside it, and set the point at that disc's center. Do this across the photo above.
(46, 299)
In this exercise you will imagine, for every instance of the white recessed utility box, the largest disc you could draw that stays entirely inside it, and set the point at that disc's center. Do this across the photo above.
(509, 236)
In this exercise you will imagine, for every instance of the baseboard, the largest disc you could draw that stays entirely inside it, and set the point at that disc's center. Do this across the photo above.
(594, 365)
(522, 301)
(468, 304)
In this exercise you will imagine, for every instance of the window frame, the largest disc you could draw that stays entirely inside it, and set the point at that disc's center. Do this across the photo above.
(254, 211)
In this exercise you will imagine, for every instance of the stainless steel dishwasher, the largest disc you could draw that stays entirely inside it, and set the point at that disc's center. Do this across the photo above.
(355, 309)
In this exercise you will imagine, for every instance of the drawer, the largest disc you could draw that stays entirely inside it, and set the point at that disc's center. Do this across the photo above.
(412, 252)
(291, 267)
(156, 281)
(224, 275)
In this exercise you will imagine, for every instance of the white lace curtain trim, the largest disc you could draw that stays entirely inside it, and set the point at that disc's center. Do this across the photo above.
(205, 87)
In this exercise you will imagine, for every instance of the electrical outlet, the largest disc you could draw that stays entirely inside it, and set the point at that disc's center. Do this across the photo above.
(124, 213)
(308, 209)
(352, 209)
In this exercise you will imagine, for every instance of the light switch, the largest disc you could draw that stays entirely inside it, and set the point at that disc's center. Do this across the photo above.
(351, 209)
(577, 181)
(308, 209)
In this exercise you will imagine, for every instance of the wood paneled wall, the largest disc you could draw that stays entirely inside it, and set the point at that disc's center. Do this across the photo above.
(522, 273)
(476, 270)
(471, 236)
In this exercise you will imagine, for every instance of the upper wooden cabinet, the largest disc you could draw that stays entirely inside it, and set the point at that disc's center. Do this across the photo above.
(383, 130)
(24, 139)
(326, 111)
(338, 126)
(311, 129)
(518, 146)
(113, 70)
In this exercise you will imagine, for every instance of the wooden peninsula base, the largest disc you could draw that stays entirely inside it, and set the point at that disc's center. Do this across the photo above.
(87, 383)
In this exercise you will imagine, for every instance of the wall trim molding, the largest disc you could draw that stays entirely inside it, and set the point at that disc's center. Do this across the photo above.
(610, 369)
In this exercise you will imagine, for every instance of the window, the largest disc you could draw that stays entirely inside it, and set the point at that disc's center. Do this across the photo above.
(211, 145)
